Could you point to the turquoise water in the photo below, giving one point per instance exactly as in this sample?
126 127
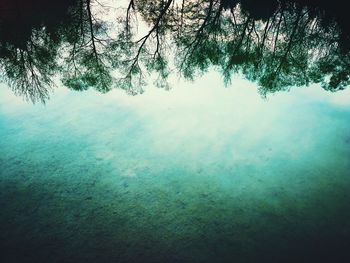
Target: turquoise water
196 174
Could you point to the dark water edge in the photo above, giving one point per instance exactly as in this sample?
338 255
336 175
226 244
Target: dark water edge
40 223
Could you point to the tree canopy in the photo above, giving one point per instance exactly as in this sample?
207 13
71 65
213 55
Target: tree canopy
277 44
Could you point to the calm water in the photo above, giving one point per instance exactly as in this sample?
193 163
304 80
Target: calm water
256 170
197 174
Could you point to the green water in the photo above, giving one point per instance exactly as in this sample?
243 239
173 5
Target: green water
196 174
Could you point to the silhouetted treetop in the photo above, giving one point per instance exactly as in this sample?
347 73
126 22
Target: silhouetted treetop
87 43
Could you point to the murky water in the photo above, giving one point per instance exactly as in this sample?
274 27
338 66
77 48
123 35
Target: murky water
196 174
251 171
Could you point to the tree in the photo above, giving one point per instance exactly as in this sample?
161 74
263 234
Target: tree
277 44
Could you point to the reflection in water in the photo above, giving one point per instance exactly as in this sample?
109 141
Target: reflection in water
195 174
277 44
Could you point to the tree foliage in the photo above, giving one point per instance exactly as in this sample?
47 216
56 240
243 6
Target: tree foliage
277 44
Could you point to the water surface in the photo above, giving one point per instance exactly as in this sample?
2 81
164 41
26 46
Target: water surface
197 174
174 131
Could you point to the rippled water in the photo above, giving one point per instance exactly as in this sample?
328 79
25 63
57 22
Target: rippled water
197 174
